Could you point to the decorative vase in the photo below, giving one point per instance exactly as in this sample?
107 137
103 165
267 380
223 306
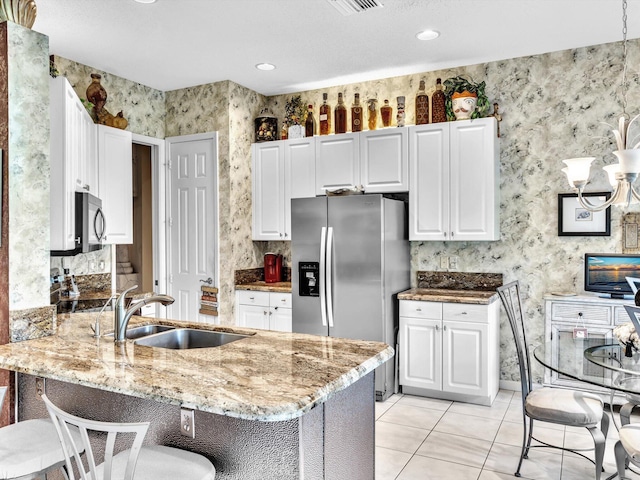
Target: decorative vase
96 93
464 104
22 12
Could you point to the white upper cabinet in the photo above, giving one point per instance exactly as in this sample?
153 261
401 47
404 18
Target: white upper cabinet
73 160
282 170
268 190
337 162
375 161
116 183
454 171
384 160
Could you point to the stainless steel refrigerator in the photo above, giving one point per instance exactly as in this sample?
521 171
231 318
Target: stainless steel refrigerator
350 258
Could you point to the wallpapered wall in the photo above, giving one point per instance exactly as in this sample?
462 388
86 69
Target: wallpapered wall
553 106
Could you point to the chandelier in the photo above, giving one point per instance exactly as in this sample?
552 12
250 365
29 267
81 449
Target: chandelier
623 174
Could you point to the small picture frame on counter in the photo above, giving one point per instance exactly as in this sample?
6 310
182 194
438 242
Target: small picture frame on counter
575 221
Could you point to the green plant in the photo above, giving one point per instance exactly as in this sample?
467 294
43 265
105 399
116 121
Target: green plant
461 84
295 111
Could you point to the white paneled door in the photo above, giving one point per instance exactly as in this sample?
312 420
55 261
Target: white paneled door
192 223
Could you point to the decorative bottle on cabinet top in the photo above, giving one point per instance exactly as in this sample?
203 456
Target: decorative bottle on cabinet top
356 114
310 123
400 115
325 116
422 105
385 112
340 116
372 108
438 107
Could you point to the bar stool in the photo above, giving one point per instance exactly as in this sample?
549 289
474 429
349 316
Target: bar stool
29 449
155 462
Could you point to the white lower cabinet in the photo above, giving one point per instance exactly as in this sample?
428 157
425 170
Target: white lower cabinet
265 310
449 350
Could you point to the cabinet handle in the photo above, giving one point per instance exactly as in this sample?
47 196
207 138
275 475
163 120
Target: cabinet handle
463 313
444 328
580 314
286 235
451 234
445 234
437 327
418 309
275 308
271 313
252 298
264 313
280 235
283 300
87 187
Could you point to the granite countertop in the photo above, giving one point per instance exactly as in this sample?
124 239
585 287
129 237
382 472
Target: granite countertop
261 286
479 297
270 376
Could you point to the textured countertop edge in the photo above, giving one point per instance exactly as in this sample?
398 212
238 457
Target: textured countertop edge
278 287
478 297
283 412
294 410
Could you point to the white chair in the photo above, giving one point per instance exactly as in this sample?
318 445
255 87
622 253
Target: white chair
627 448
29 449
155 462
552 405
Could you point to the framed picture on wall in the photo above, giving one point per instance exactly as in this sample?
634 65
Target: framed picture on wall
576 221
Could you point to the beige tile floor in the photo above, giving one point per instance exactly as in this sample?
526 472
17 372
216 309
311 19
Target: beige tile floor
421 438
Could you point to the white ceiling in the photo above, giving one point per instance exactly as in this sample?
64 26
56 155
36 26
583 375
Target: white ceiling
173 44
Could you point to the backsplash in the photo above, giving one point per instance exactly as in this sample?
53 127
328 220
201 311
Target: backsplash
459 280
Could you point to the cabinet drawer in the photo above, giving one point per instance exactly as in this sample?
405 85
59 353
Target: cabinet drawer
465 312
570 312
249 297
620 315
418 309
280 300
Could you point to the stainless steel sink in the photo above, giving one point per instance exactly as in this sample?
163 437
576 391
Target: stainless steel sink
145 330
187 338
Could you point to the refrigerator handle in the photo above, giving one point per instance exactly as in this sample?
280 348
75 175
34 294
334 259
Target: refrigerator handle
323 265
329 290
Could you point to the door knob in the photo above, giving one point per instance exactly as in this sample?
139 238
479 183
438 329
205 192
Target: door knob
208 281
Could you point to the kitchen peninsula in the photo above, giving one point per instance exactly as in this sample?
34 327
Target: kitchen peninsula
272 405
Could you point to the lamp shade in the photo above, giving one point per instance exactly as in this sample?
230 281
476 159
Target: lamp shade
611 173
578 169
629 160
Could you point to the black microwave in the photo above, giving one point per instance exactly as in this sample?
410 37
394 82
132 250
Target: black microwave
90 225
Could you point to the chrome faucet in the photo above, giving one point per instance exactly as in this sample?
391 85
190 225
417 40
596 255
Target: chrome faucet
122 315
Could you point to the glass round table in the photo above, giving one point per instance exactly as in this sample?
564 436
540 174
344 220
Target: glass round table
589 361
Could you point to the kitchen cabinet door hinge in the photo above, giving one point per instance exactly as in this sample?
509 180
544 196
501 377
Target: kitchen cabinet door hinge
170 278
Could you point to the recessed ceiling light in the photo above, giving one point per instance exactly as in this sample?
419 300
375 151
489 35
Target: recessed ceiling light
265 66
145 1
427 35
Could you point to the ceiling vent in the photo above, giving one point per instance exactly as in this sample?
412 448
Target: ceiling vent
347 7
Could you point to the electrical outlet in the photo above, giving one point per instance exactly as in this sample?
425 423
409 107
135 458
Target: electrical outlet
187 422
453 263
444 262
40 386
